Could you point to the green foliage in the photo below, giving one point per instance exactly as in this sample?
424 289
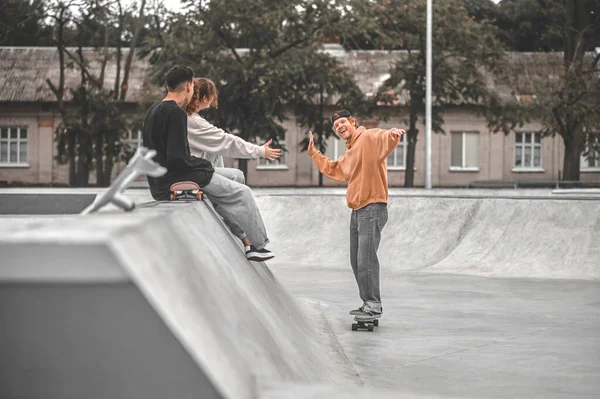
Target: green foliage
465 52
93 125
22 23
265 57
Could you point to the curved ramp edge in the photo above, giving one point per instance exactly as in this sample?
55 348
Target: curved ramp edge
494 237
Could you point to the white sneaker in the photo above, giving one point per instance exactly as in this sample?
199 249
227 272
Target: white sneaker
258 255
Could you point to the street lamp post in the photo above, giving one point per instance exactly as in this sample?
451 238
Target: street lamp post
428 97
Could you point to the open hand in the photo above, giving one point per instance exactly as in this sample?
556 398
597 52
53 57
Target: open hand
311 142
395 133
271 153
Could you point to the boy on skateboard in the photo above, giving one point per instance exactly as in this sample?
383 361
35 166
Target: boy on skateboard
165 130
364 168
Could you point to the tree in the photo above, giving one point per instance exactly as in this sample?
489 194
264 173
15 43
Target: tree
569 106
321 87
563 91
22 23
263 55
538 25
465 50
92 126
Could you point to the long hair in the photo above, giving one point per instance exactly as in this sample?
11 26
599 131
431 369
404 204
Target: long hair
203 87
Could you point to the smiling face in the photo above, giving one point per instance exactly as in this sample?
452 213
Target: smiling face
344 127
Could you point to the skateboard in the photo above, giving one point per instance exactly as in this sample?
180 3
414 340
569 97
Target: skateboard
365 324
187 190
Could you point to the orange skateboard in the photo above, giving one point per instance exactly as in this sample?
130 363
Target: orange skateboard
187 190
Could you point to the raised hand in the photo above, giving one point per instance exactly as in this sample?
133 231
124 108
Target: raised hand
271 153
311 142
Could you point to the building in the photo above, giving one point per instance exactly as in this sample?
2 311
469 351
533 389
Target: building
468 152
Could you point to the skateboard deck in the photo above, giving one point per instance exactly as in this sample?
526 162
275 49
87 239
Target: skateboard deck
186 190
365 324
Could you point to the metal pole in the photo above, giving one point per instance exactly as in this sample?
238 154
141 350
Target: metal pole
428 97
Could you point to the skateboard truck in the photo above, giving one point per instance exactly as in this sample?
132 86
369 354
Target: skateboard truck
187 190
365 324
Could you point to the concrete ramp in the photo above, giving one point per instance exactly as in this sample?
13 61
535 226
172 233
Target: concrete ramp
503 237
156 303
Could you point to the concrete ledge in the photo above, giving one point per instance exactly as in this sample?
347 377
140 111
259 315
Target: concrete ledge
232 317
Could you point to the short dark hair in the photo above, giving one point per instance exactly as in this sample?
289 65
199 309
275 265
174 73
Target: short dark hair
177 76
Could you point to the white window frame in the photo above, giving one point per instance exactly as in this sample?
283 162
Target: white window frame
18 140
404 144
278 164
134 144
464 168
334 142
533 145
583 165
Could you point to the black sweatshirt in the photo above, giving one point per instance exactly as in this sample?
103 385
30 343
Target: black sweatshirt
165 130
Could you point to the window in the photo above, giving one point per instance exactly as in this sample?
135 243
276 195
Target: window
397 159
336 147
464 151
590 157
528 150
13 146
134 139
279 163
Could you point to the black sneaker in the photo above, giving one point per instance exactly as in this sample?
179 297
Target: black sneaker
258 255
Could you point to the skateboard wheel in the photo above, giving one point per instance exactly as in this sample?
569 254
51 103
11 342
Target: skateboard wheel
370 327
173 196
199 196
354 327
376 323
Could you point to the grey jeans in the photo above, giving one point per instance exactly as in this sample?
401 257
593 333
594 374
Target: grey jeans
232 174
366 225
236 205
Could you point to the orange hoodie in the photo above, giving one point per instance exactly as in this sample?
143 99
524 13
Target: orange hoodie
363 166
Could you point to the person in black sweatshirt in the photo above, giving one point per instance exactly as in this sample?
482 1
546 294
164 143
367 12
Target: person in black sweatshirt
165 131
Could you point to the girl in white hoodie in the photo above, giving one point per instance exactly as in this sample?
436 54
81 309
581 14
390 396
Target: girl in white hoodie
209 142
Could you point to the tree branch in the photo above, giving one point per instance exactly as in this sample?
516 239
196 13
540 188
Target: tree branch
230 45
83 69
558 119
285 48
53 88
134 40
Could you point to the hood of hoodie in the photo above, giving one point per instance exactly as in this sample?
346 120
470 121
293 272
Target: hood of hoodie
357 133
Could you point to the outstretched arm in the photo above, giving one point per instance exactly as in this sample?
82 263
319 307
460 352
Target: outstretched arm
203 136
385 141
328 167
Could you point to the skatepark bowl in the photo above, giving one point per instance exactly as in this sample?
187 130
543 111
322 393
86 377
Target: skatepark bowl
486 294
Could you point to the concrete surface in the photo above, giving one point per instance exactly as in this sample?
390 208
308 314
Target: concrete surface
448 336
238 324
92 341
487 293
496 237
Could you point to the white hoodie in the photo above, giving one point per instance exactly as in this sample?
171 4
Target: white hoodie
206 139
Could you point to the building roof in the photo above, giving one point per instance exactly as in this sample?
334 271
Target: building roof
24 70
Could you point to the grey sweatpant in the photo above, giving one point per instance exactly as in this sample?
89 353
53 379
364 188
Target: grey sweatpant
366 225
233 200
